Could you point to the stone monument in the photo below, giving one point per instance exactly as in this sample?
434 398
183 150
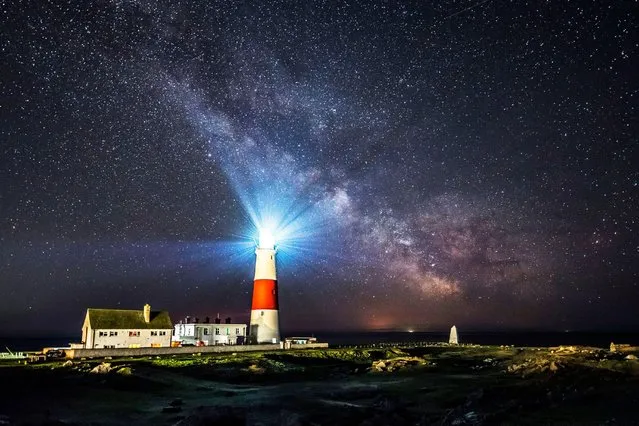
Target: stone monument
452 339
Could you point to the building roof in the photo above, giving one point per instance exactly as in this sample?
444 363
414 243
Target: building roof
118 319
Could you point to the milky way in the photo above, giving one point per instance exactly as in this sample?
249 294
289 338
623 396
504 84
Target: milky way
426 164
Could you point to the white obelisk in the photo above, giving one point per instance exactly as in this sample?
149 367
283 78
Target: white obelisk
452 339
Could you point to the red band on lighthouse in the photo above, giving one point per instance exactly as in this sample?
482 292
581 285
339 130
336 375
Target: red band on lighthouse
264 294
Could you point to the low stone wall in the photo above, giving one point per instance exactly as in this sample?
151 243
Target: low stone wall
310 346
124 352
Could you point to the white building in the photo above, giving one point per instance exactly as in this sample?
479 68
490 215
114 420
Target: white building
192 332
122 328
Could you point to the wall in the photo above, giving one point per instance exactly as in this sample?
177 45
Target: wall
123 352
310 346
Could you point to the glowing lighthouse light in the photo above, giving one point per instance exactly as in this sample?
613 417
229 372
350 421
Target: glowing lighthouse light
267 239
265 323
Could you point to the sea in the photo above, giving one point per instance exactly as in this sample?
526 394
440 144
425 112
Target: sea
339 339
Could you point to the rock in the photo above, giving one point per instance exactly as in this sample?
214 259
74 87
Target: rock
125 371
68 363
621 347
534 366
394 364
103 368
255 369
630 357
171 409
470 418
379 365
514 368
566 350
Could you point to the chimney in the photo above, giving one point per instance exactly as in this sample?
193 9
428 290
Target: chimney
207 320
147 313
228 320
217 319
187 320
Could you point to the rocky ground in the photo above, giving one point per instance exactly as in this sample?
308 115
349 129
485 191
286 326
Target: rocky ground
436 385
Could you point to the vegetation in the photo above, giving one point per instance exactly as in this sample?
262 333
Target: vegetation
391 385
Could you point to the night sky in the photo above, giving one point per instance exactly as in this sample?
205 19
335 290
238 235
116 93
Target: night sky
425 163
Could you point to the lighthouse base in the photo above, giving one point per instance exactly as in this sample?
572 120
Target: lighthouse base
265 326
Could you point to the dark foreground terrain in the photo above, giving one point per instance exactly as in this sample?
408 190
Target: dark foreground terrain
435 385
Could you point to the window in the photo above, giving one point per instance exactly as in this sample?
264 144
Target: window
237 331
217 331
102 334
109 346
206 331
154 333
113 333
162 333
134 334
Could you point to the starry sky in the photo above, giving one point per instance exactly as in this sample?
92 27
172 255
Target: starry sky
424 163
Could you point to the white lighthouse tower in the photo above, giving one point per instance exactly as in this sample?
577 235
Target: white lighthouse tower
265 321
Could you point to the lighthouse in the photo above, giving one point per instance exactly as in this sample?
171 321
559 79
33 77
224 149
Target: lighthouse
265 321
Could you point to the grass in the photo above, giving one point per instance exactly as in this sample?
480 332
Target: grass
428 385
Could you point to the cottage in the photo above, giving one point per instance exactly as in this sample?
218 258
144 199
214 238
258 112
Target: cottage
193 332
124 328
300 340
